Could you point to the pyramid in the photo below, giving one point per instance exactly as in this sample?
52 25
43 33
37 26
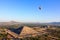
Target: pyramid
23 31
27 31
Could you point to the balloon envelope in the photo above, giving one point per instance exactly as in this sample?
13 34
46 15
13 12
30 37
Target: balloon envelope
39 8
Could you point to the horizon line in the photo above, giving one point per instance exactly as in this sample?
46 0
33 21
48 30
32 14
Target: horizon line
29 21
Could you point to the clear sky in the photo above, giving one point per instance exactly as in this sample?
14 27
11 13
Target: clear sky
27 10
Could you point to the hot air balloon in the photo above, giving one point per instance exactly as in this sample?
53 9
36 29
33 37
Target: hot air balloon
39 8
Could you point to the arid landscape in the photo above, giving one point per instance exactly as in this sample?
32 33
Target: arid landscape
29 31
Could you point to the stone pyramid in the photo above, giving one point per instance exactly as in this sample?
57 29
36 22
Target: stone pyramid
23 31
27 31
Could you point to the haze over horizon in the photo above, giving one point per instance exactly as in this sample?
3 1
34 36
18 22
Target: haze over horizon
27 10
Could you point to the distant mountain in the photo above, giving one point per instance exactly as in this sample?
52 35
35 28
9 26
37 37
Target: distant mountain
54 23
9 23
21 23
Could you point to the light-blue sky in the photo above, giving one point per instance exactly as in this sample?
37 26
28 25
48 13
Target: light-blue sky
27 10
